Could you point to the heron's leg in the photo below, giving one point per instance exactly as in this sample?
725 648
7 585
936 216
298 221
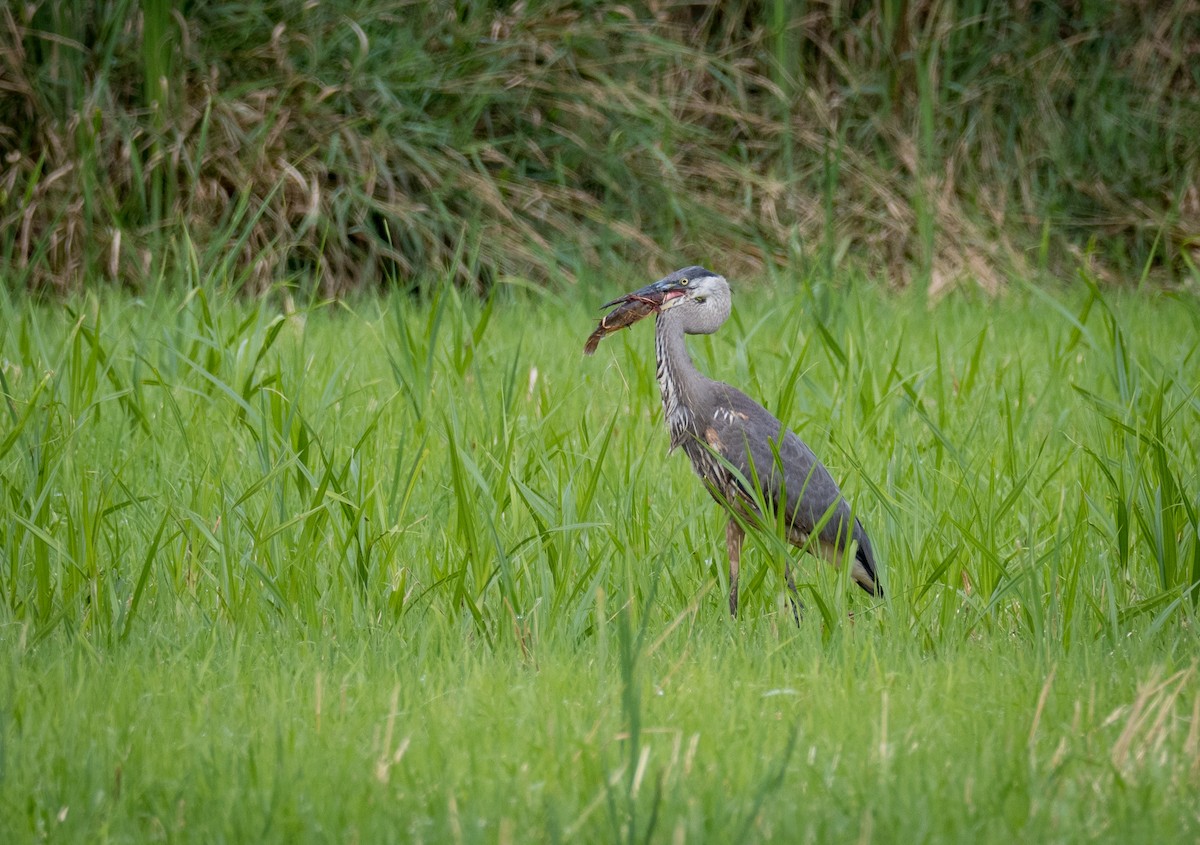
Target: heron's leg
794 597
733 539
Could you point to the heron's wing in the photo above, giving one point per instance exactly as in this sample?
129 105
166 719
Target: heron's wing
786 470
758 445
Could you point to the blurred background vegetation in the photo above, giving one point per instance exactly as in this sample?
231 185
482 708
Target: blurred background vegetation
354 144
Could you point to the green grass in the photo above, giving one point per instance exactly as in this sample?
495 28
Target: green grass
417 570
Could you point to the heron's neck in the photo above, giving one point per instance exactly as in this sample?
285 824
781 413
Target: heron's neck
678 378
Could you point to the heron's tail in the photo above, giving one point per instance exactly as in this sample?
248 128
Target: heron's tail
865 572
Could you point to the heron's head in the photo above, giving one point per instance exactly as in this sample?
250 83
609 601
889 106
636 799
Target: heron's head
697 297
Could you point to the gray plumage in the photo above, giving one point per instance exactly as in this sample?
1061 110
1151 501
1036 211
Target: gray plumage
732 441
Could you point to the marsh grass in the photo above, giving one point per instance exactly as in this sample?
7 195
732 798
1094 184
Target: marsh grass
356 144
451 458
277 570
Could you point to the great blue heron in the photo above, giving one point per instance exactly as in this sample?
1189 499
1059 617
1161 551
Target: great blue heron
733 441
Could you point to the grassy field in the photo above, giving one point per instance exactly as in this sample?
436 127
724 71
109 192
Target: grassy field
416 570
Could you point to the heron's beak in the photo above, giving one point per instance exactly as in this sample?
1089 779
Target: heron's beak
663 293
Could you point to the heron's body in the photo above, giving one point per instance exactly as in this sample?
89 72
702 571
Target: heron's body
732 441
